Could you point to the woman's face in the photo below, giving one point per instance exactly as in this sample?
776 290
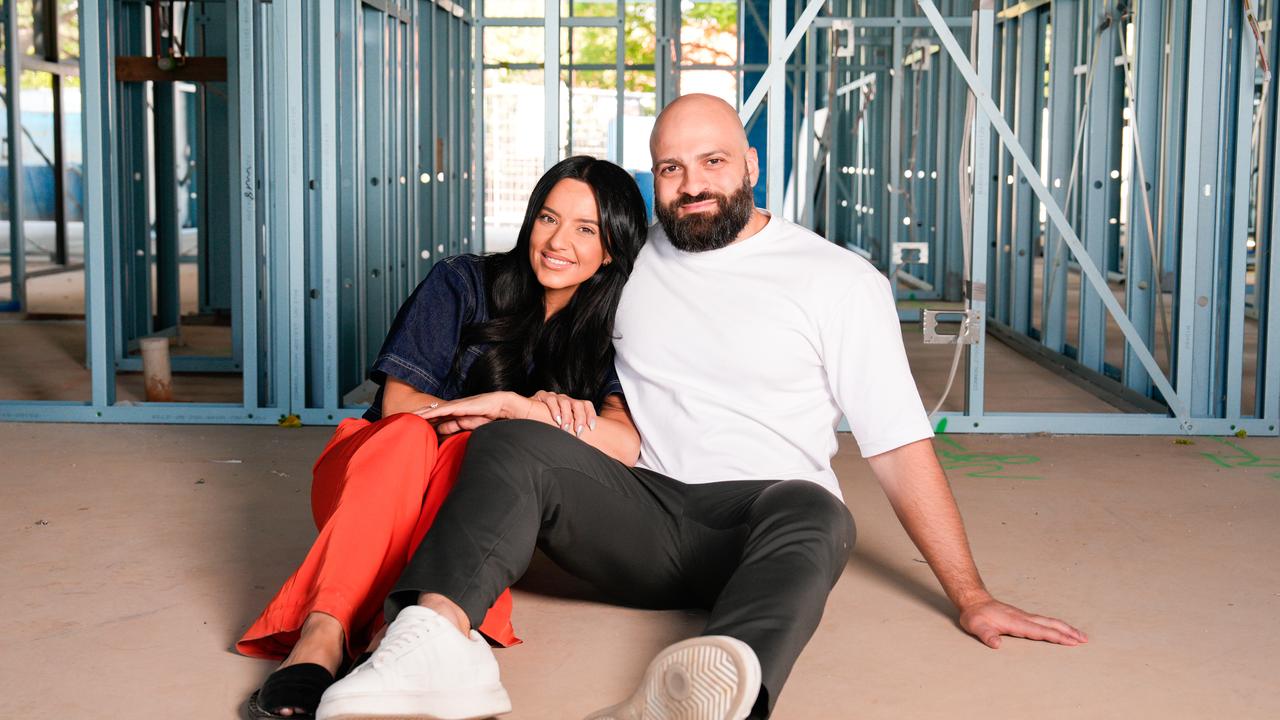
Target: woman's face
565 246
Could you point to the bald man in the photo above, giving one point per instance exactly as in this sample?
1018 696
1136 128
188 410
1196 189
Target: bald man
741 341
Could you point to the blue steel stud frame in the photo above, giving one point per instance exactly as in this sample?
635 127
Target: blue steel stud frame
284 186
1204 252
13 108
1146 423
301 246
133 293
976 293
45 60
1142 267
1064 28
1005 60
1029 106
1267 389
1098 204
1077 29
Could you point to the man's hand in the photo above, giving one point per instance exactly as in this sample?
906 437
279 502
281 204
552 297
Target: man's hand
990 619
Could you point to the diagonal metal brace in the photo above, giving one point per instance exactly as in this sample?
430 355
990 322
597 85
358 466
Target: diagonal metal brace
779 65
1056 216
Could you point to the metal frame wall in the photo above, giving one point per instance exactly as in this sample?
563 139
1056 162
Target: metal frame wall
1197 186
344 171
47 59
343 186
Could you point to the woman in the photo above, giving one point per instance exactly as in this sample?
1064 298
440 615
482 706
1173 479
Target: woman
523 334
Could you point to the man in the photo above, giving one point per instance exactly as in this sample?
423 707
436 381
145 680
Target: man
742 339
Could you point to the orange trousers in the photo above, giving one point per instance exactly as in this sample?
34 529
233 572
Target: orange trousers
376 489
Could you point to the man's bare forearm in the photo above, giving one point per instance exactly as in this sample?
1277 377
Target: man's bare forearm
922 499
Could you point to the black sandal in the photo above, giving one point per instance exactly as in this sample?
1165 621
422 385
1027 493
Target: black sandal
296 686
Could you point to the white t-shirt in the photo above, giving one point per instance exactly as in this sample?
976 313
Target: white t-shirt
737 363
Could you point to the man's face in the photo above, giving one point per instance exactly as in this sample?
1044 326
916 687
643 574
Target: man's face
702 186
717 222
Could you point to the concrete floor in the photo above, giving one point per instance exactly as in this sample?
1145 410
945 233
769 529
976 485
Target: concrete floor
135 555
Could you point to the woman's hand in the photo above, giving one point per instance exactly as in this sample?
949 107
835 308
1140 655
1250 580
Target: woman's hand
570 414
470 413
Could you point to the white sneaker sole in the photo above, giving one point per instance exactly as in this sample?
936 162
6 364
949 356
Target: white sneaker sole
471 705
705 678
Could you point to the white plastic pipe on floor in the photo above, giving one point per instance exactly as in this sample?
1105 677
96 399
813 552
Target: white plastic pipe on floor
156 369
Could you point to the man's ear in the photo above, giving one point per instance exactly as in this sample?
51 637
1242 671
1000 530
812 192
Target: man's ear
753 166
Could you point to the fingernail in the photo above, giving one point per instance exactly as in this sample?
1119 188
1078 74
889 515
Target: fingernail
565 427
579 429
558 419
592 424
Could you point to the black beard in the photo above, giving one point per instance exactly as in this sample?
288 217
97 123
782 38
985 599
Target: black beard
700 232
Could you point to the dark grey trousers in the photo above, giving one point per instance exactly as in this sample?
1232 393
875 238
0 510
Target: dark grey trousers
760 555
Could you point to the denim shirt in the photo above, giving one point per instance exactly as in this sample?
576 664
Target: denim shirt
423 340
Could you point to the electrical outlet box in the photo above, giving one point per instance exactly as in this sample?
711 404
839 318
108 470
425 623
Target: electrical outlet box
966 320
911 253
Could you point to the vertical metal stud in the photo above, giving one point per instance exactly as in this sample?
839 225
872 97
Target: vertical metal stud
1026 212
1142 267
97 75
977 295
244 189
551 83
1234 240
1064 25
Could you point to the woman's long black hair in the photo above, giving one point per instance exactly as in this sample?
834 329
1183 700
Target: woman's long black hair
572 351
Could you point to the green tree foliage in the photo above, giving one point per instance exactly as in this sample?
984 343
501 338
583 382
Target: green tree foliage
596 46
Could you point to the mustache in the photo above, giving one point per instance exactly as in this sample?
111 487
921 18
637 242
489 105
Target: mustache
703 196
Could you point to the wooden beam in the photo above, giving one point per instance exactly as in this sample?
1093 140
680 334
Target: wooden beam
192 69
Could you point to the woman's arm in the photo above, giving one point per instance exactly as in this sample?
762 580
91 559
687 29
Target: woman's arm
613 433
400 397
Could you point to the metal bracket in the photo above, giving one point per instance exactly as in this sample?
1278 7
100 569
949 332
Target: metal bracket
911 253
921 51
866 81
968 334
845 49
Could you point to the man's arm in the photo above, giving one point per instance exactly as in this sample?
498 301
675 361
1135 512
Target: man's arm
921 496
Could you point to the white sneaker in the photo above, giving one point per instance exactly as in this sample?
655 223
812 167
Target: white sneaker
705 678
424 669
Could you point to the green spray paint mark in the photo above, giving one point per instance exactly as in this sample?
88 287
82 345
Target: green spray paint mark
942 426
1241 458
955 456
